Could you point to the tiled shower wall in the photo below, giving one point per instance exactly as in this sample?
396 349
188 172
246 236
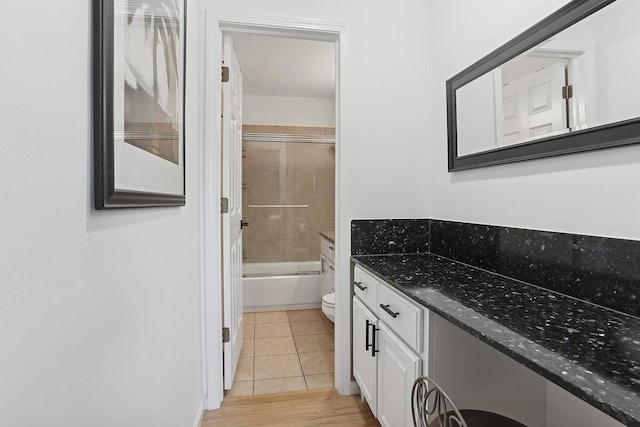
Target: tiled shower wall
287 173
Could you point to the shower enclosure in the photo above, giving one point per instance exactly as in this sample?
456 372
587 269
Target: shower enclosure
288 183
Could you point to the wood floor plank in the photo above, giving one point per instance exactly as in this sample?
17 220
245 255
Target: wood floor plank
301 408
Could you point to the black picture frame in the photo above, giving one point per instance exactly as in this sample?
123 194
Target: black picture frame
616 134
139 103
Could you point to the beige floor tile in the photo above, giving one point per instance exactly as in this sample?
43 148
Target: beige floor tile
319 362
240 388
280 366
320 381
310 343
303 315
280 385
249 318
247 348
272 346
244 372
313 327
248 332
272 330
271 317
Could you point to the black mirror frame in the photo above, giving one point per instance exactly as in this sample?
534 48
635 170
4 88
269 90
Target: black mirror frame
606 136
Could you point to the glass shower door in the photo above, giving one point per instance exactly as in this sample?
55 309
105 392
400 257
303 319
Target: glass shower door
288 196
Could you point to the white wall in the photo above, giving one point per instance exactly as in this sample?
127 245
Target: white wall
99 311
567 410
477 376
288 111
587 193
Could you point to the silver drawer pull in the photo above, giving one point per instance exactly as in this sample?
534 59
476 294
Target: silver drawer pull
385 307
359 286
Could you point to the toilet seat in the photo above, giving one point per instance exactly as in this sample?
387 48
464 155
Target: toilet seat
329 305
329 300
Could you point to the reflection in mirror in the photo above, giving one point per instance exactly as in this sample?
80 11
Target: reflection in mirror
582 77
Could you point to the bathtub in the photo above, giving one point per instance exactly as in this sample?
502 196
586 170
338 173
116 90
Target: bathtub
281 286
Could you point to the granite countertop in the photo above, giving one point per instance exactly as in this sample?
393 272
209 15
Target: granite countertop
330 235
590 351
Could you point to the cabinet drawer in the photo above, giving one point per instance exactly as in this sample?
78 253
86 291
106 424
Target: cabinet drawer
327 248
403 317
365 287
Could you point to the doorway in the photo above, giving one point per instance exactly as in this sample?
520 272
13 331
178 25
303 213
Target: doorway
287 200
218 23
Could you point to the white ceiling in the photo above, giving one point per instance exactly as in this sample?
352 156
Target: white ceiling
278 66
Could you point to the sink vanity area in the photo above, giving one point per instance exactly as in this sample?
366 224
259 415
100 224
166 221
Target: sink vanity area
540 326
563 307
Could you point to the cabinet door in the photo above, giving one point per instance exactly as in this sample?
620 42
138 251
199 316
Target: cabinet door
331 276
364 359
324 276
398 367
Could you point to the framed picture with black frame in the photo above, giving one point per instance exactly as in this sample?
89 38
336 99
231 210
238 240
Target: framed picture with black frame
139 103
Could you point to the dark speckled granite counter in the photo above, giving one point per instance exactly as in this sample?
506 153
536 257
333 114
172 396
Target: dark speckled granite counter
590 351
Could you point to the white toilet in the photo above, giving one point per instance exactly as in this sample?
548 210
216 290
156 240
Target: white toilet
329 306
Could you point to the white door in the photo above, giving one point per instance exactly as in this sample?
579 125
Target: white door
365 359
398 367
533 106
231 221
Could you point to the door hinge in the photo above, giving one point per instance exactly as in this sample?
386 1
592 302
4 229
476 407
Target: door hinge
224 205
225 74
225 335
567 92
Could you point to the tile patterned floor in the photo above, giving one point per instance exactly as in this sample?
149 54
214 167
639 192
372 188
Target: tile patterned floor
285 351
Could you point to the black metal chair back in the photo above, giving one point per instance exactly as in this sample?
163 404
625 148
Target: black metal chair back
429 403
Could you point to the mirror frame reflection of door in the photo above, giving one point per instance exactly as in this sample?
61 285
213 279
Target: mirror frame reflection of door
592 127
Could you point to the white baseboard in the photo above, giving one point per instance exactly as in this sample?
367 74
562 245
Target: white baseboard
199 415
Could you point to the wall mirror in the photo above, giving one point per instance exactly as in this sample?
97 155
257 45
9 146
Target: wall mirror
568 84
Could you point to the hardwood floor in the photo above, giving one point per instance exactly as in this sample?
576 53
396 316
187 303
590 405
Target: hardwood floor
300 408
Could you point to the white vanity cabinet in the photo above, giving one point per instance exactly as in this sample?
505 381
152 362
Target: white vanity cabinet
327 266
388 335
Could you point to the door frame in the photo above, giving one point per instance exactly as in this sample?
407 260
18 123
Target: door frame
216 22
